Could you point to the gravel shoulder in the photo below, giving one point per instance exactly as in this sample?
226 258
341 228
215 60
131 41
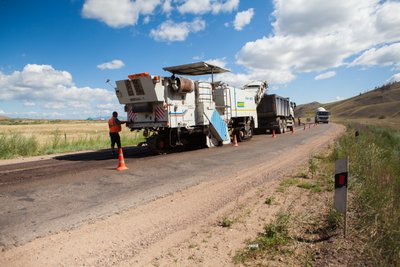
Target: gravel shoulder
181 228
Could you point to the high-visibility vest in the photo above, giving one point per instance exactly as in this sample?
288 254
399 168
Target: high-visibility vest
114 127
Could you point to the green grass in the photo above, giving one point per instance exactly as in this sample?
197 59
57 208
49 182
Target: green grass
269 200
14 145
374 184
314 187
226 222
375 181
333 219
271 241
17 144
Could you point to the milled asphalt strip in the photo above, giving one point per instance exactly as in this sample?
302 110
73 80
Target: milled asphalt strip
36 167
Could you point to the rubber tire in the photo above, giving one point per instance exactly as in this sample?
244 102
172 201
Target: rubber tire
280 127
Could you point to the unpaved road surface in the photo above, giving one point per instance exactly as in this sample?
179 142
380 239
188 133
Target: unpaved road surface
78 210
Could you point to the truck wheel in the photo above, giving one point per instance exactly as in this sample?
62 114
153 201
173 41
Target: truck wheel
280 127
157 144
239 132
250 133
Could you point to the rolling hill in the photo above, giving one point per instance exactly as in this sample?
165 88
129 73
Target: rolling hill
380 106
383 102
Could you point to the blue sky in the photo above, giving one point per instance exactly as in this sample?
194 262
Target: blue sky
55 56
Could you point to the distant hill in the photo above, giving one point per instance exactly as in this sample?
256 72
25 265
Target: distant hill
306 110
380 103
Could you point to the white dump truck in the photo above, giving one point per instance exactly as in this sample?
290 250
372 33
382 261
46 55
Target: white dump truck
321 115
176 111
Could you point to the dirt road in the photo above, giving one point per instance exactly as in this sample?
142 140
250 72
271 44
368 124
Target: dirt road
78 210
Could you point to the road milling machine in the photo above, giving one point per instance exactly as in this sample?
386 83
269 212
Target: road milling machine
176 111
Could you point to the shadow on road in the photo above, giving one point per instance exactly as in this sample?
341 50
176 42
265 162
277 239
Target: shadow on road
105 154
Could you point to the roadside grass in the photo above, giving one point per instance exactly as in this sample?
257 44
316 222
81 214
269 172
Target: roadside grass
375 181
239 213
374 197
15 144
271 241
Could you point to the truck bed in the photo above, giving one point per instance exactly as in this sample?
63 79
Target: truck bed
273 106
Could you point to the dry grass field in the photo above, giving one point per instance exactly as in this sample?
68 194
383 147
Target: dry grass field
45 132
34 137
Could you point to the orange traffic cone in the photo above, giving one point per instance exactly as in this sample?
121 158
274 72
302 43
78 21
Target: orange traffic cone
273 134
121 162
235 140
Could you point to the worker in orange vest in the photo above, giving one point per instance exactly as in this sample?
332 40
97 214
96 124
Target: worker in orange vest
115 127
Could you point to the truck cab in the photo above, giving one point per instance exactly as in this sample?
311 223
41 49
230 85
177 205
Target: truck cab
321 115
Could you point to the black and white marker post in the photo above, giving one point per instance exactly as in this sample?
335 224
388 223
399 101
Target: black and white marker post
341 178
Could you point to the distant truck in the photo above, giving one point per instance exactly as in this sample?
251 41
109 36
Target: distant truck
321 115
275 113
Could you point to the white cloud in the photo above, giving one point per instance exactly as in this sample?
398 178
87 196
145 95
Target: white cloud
112 65
325 75
147 6
166 7
116 13
243 18
146 20
394 78
171 32
386 55
220 62
388 20
224 6
43 87
271 76
108 106
2 112
28 103
206 6
316 35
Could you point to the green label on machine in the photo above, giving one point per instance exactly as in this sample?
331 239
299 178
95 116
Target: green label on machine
240 104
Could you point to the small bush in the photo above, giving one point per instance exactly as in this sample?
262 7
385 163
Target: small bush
268 201
272 240
333 219
226 222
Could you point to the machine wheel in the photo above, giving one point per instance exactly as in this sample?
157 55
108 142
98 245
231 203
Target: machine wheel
250 133
280 127
240 134
157 144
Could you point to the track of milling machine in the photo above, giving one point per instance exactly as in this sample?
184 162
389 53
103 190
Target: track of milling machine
176 111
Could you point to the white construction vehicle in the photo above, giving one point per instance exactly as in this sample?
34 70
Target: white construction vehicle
321 115
176 111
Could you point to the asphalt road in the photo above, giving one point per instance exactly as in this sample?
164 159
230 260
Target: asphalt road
44 197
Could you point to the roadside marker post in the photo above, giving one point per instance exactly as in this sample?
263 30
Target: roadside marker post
341 181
